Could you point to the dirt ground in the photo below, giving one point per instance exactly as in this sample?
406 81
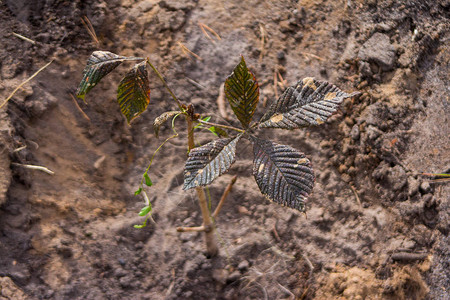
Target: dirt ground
375 228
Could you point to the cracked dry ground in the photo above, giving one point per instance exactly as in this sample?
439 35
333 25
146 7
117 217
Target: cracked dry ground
375 228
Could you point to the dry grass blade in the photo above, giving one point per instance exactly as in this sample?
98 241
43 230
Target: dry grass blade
206 28
33 167
308 55
356 195
275 84
263 41
79 108
221 103
188 52
283 82
24 38
90 29
23 83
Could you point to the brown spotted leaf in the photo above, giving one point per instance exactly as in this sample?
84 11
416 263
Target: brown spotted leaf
283 174
99 64
242 92
309 102
209 161
133 93
162 119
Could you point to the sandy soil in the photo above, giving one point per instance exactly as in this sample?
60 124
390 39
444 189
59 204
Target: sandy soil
375 228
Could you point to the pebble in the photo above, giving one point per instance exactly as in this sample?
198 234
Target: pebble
378 49
243 266
425 187
413 186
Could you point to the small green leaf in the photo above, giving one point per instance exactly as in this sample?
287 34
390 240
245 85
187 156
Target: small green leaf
217 131
144 211
133 93
138 191
148 181
206 119
213 130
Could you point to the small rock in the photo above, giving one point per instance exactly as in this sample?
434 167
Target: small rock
354 133
126 281
119 272
364 69
378 49
220 275
413 186
281 55
425 187
234 276
243 266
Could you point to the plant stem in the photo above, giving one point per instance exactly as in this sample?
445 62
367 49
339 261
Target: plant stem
224 196
222 126
211 244
165 84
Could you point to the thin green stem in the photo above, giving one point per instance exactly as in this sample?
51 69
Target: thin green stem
159 148
165 84
221 126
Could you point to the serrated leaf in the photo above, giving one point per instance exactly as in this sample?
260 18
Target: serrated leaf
162 119
283 174
133 93
242 92
138 191
309 102
209 161
145 210
147 180
99 64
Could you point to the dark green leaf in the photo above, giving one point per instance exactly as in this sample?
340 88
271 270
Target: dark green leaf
99 64
147 179
133 94
242 92
209 161
283 174
309 102
145 210
138 191
163 118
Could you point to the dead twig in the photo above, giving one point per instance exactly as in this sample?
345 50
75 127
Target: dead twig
24 38
20 148
191 229
224 196
33 167
79 108
408 257
90 29
23 83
